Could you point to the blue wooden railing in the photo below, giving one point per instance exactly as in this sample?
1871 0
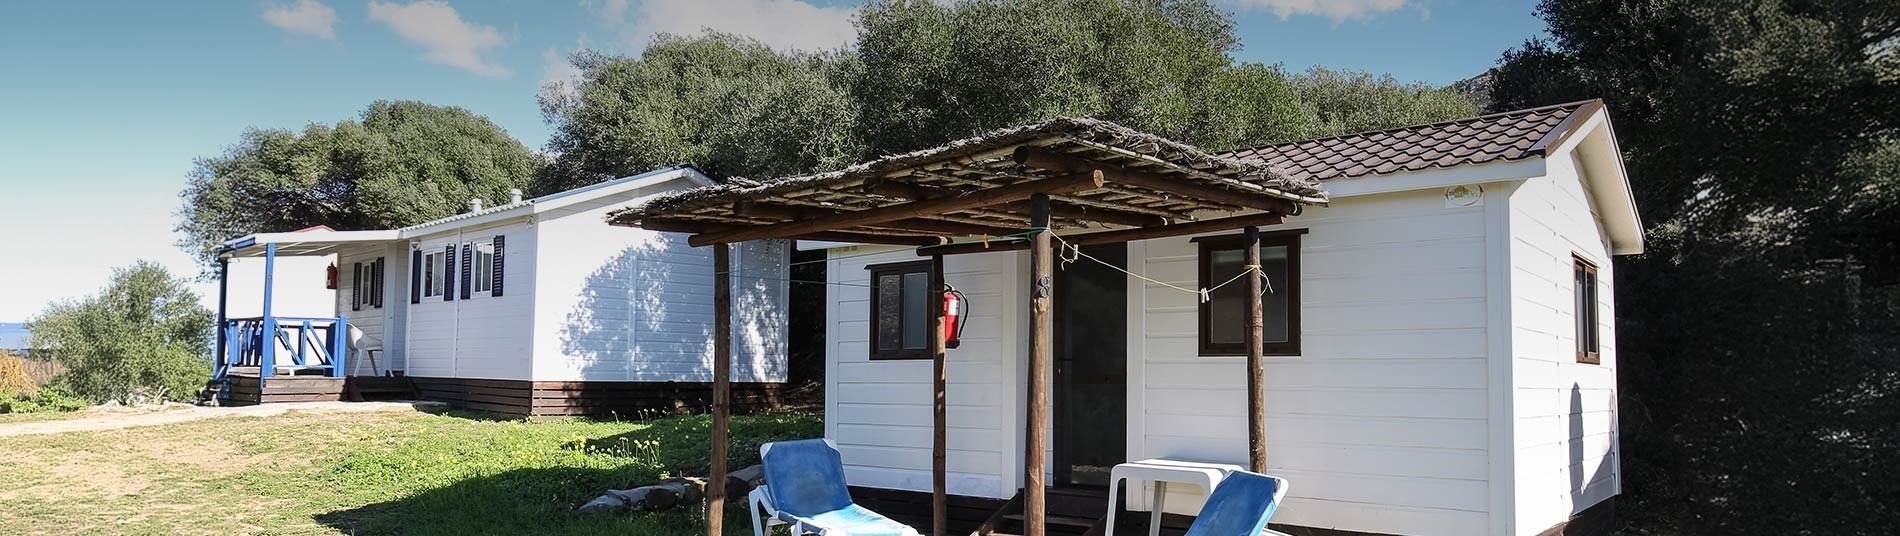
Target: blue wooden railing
257 342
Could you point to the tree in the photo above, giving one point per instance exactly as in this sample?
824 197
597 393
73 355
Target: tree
143 336
925 73
1357 101
398 163
1759 336
729 104
934 72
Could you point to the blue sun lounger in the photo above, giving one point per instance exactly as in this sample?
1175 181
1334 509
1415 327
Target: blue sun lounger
1239 506
805 489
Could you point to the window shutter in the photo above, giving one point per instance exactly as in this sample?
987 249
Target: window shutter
500 253
448 281
356 286
468 264
415 276
376 284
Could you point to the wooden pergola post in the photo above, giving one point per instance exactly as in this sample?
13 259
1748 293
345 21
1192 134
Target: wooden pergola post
722 388
939 411
1256 356
1041 347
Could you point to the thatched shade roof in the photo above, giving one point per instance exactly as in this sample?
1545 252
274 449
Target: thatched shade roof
1143 181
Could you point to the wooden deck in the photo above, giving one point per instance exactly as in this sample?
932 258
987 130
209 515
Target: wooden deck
280 388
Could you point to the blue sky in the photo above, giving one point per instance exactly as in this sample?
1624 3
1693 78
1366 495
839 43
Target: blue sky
104 105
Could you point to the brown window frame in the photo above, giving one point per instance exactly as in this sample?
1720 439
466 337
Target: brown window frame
900 269
1584 298
1209 244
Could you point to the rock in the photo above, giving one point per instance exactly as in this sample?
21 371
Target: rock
676 493
603 504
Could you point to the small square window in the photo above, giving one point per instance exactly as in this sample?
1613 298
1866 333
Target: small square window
432 275
900 310
1589 339
1223 317
484 278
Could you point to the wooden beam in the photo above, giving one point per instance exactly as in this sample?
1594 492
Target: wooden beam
1117 237
1072 183
1041 349
939 411
1095 214
898 189
1038 157
722 388
1256 360
676 226
774 211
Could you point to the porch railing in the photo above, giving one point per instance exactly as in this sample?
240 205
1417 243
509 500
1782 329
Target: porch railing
263 342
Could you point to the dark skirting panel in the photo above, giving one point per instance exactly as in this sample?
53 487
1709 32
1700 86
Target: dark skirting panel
592 399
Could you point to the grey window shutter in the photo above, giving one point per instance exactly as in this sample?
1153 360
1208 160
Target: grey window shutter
376 283
500 253
356 286
448 279
468 271
415 276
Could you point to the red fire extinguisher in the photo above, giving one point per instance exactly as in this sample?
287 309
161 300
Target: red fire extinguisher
329 277
955 313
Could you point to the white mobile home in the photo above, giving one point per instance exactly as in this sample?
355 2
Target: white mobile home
1436 357
533 307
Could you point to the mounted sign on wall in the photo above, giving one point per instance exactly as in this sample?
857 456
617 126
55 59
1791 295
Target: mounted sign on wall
1464 195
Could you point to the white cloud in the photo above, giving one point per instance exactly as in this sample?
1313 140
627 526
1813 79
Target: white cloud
444 37
306 17
1337 10
782 24
558 75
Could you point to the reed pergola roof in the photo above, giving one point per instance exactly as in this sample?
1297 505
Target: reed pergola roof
1098 175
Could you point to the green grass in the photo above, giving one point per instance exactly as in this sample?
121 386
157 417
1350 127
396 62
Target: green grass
365 474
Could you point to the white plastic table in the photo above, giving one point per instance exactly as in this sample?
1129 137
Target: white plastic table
1162 471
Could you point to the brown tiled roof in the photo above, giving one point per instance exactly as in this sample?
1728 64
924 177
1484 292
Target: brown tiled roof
1497 137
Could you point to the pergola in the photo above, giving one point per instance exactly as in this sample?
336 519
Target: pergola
1093 181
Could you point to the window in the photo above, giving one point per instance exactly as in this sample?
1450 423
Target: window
900 310
366 284
432 275
1223 318
484 280
1584 274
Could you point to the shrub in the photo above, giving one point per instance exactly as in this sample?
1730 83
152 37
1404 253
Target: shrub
14 378
47 399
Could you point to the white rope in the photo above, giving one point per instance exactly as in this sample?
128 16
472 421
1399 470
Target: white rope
1205 294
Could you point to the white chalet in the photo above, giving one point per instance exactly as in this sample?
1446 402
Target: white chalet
1440 346
533 307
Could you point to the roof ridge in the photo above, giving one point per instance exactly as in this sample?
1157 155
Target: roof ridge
1419 125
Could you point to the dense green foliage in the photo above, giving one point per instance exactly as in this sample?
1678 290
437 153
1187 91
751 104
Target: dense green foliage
924 73
143 338
1759 336
398 164
369 473
729 104
47 399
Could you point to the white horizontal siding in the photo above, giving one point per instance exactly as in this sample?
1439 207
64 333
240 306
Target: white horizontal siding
624 304
1564 432
879 412
1381 422
483 337
365 316
298 288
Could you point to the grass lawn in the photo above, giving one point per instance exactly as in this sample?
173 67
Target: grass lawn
364 473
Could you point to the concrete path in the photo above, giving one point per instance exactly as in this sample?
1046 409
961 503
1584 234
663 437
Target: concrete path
178 414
